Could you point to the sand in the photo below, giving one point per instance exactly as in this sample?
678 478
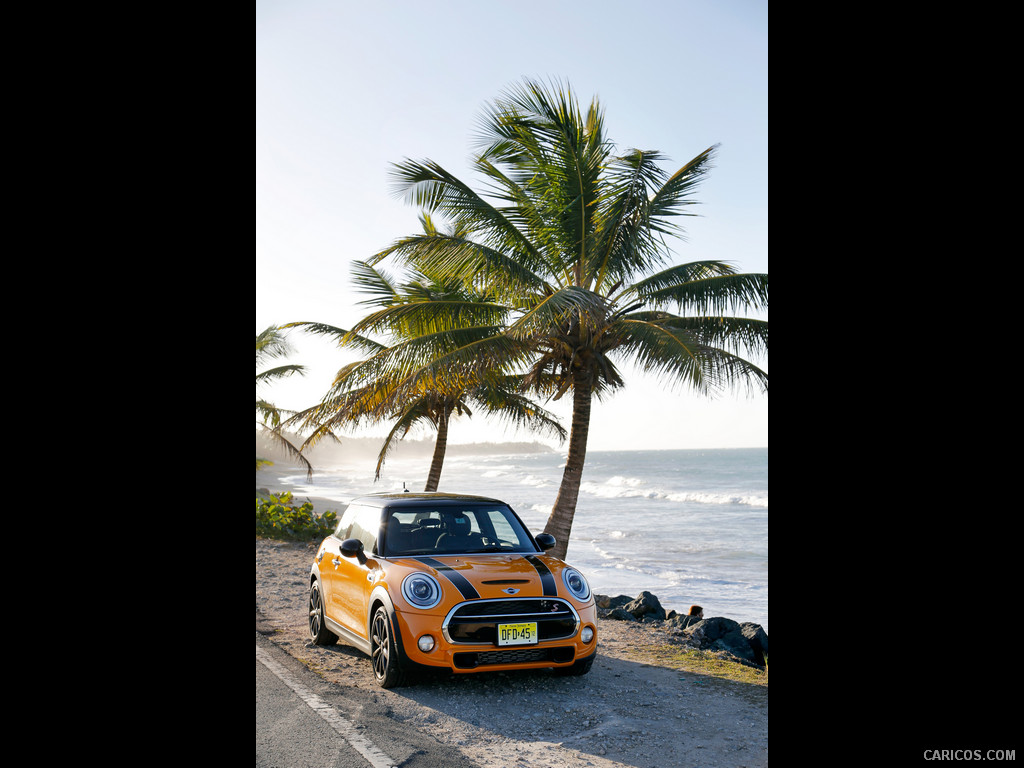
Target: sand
624 713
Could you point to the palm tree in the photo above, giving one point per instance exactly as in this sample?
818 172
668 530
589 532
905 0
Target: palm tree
270 345
424 317
571 239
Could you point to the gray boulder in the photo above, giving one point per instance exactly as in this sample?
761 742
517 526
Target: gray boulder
610 603
747 642
720 634
646 607
758 640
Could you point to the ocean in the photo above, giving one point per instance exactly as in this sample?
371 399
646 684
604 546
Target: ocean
689 526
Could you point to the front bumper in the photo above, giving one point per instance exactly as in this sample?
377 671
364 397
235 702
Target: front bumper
466 638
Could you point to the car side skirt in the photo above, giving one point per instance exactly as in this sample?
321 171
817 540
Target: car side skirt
348 637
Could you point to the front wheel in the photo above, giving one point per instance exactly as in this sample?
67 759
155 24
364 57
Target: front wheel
318 630
383 653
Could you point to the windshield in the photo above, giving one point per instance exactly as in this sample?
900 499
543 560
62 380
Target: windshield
447 529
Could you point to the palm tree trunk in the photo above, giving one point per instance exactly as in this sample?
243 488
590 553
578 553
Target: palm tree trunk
440 445
559 523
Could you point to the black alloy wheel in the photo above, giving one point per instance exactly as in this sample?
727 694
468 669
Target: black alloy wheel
383 654
317 626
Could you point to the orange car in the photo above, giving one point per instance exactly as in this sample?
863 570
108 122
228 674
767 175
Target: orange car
447 581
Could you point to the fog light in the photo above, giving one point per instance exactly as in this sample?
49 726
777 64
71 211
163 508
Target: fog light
426 643
587 634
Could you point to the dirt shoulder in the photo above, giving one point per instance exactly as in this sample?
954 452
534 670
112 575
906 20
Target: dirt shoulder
626 712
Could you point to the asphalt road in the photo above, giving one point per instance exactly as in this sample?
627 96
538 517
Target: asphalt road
303 721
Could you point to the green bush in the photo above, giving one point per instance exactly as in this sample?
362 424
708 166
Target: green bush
278 518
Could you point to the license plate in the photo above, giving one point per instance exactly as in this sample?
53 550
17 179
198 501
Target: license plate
517 634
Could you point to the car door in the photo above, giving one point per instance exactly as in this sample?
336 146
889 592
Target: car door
330 561
349 580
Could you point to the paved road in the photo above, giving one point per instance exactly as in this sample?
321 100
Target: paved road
304 722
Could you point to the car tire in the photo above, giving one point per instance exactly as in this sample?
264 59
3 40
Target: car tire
581 667
383 651
318 630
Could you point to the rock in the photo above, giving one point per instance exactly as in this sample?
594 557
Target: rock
681 621
747 642
646 607
721 634
619 614
612 607
609 603
757 638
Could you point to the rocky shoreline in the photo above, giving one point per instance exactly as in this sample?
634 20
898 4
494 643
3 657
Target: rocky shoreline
745 643
626 713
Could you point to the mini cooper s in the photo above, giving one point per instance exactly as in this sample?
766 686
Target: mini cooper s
430 580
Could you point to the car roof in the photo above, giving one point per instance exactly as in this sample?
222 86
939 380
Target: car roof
410 499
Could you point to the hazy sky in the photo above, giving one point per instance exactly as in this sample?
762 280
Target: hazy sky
344 89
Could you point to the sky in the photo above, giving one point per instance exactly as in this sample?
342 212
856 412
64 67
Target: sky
346 89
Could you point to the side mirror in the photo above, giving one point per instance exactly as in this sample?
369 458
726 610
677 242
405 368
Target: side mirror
353 548
545 540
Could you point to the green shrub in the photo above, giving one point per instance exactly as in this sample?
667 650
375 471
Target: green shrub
278 518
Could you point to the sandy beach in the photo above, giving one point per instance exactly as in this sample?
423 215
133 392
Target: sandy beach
625 713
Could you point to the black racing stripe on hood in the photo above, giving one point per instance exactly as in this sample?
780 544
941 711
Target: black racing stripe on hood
461 582
547 579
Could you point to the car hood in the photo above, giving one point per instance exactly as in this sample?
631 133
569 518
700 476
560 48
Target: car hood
493 576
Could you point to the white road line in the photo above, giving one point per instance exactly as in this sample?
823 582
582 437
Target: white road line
344 728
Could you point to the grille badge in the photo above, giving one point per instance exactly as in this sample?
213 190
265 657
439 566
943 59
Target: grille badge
511 591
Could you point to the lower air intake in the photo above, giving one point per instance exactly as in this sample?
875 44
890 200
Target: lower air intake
518 656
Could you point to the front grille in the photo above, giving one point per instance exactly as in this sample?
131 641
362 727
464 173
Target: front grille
518 656
512 606
477 621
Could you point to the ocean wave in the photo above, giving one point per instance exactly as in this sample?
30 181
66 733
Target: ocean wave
535 481
632 488
631 482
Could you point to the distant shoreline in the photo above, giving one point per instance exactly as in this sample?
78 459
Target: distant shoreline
360 448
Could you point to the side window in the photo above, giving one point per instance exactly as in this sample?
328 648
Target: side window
365 527
343 531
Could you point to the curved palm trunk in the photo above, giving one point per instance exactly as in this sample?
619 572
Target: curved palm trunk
559 523
440 445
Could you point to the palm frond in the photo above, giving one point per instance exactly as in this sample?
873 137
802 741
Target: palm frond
554 156
623 245
569 306
500 397
704 288
271 344
472 262
431 187
675 194
343 337
414 412
280 372
678 355
432 316
740 335
377 284
283 443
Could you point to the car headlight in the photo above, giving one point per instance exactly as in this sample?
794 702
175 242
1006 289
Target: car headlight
421 590
576 584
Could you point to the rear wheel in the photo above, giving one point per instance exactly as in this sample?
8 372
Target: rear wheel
318 630
383 653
